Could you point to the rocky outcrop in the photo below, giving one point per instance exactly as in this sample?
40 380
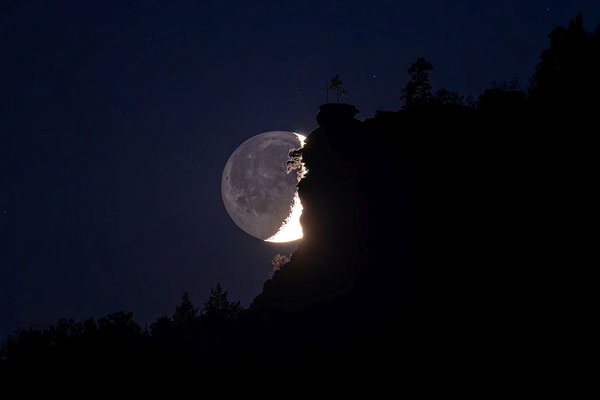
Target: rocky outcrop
356 202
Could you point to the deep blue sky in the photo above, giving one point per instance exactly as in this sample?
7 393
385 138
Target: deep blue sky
116 119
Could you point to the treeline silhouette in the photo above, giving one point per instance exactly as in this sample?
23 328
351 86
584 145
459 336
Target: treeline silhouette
429 233
116 336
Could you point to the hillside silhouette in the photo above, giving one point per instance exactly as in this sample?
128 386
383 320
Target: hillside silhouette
421 226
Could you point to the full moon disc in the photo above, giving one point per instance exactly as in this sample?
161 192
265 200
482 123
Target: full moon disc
258 193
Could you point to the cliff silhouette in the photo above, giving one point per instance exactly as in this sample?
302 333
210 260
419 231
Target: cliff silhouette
421 227
444 217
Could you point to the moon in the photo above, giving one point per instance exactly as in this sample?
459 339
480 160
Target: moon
258 193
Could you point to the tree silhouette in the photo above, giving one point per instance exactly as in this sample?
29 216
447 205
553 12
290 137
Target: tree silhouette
277 262
568 71
119 321
119 336
27 345
507 86
445 96
218 305
418 89
500 97
336 84
185 314
163 327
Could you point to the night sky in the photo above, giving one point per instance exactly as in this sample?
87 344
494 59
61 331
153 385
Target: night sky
117 118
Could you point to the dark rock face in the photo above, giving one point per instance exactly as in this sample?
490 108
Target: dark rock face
357 211
422 227
425 210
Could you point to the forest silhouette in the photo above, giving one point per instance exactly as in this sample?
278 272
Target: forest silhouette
421 226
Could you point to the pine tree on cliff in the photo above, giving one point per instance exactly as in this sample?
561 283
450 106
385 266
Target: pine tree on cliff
336 84
418 90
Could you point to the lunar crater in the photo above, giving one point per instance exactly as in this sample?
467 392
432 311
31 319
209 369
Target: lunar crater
258 193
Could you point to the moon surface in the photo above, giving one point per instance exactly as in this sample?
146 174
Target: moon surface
258 193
